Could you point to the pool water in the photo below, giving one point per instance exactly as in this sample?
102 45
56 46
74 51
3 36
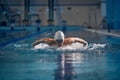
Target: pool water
19 61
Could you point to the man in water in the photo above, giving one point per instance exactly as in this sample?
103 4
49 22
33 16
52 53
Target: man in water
59 40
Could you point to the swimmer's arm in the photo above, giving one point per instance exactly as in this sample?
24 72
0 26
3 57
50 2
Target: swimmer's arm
73 40
81 41
38 42
48 41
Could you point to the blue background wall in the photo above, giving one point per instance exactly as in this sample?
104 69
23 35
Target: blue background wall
113 13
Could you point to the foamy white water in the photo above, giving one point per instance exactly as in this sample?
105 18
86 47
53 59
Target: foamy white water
41 46
73 46
20 45
95 46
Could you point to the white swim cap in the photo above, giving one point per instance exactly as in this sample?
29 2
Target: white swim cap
59 35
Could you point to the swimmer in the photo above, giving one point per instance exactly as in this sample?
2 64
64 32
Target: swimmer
59 40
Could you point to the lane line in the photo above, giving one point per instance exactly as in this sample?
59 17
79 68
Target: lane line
103 32
19 39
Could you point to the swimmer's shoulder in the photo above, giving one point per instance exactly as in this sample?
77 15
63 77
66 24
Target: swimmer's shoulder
68 41
50 41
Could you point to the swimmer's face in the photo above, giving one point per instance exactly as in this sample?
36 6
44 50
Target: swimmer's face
59 42
59 38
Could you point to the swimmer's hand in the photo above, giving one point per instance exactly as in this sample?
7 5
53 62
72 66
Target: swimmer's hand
85 44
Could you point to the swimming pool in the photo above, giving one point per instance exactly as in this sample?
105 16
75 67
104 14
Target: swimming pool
19 61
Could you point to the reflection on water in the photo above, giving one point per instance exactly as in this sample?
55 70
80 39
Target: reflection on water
65 69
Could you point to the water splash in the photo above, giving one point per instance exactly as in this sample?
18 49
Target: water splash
45 48
20 45
41 46
72 47
95 46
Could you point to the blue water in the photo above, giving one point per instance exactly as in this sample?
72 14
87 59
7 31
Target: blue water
19 61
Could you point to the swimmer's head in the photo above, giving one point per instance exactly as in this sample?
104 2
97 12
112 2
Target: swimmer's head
59 38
